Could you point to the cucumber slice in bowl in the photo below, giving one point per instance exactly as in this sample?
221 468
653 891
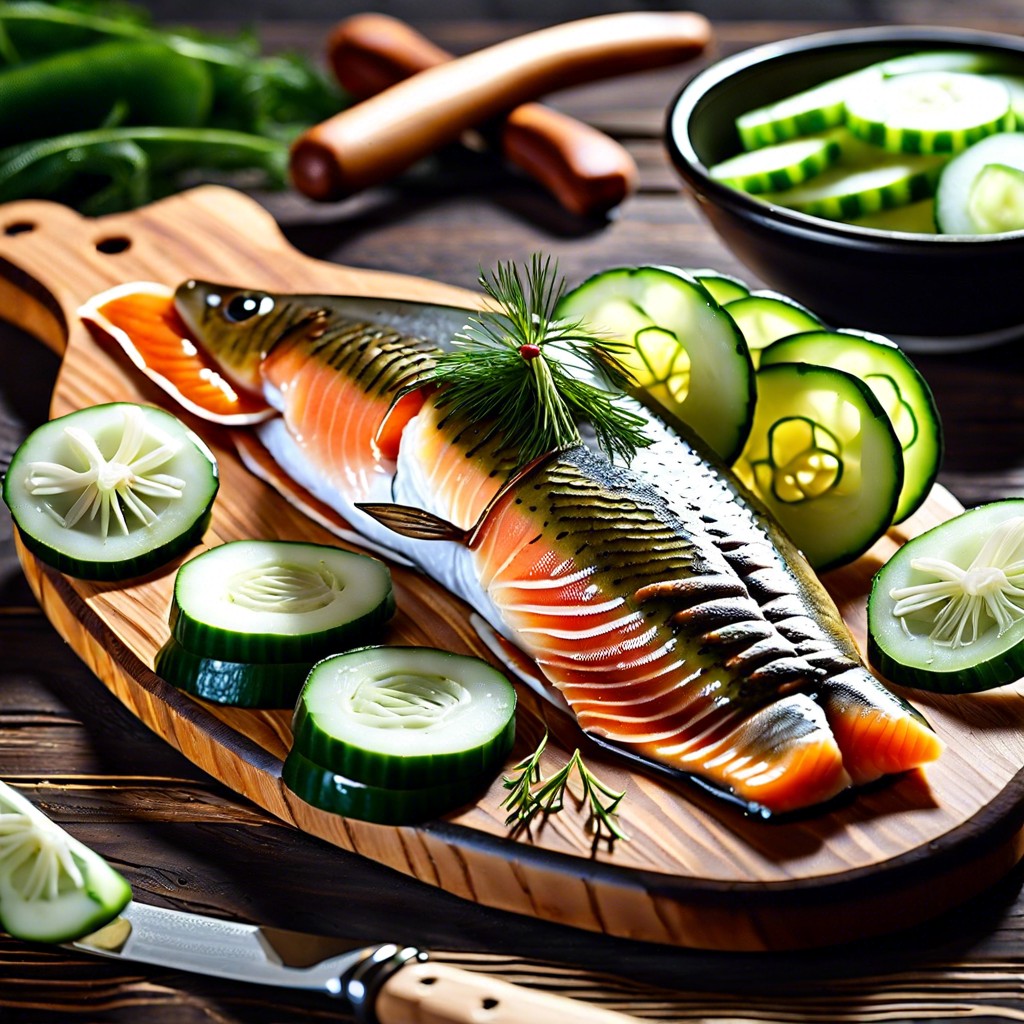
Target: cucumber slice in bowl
964 203
111 492
52 887
780 166
685 350
278 601
901 391
405 717
946 612
823 457
929 111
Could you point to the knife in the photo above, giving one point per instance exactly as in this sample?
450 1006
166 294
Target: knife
378 984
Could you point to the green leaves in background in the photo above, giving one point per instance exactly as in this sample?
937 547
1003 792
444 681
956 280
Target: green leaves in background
100 109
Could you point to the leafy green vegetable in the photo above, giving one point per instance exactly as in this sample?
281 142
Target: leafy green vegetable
258 105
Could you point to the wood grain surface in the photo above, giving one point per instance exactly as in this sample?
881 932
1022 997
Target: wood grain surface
694 872
186 841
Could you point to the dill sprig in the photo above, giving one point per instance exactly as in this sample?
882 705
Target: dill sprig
535 378
531 794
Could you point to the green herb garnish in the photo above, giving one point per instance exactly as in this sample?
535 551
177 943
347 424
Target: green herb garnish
526 372
531 794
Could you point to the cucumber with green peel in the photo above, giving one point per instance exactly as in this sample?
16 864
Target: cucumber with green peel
813 110
236 683
778 166
112 491
278 601
723 288
863 181
945 612
685 350
1014 85
383 805
405 717
929 111
971 62
765 316
824 458
972 200
900 389
52 887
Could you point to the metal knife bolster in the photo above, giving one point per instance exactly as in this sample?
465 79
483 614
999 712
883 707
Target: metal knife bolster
345 970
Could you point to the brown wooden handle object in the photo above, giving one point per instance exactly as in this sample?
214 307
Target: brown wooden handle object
428 993
383 135
585 170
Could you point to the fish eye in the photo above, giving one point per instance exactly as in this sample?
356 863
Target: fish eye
247 304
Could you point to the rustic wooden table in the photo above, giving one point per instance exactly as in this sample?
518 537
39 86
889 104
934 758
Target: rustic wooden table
184 841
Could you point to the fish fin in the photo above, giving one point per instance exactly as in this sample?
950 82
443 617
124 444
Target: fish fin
412 522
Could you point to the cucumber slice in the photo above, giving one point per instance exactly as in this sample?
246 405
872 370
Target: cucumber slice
112 491
996 200
380 804
405 717
694 361
946 612
52 887
766 316
723 288
271 601
1014 85
901 391
813 110
823 457
238 683
780 166
929 111
865 180
915 218
970 62
957 202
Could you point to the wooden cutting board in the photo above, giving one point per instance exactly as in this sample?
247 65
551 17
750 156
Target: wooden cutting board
694 873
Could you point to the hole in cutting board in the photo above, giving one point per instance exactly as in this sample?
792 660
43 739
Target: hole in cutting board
19 227
113 245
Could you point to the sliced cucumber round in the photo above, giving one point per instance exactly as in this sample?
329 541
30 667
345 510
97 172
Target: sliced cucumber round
813 110
112 491
723 288
779 166
929 111
901 391
966 203
383 805
270 601
685 351
946 612
238 683
972 62
764 317
864 181
405 717
52 887
823 457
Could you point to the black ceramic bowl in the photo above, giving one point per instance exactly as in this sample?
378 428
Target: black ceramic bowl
932 290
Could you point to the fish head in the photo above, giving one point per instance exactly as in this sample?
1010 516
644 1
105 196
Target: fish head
234 326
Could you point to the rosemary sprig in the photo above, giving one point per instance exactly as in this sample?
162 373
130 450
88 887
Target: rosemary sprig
526 372
531 794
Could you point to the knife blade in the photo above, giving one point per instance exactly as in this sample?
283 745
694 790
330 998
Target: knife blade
382 983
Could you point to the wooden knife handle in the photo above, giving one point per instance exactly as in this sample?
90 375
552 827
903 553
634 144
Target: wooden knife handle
383 135
428 993
585 170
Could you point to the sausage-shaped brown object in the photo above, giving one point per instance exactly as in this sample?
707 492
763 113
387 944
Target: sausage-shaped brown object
585 170
383 135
